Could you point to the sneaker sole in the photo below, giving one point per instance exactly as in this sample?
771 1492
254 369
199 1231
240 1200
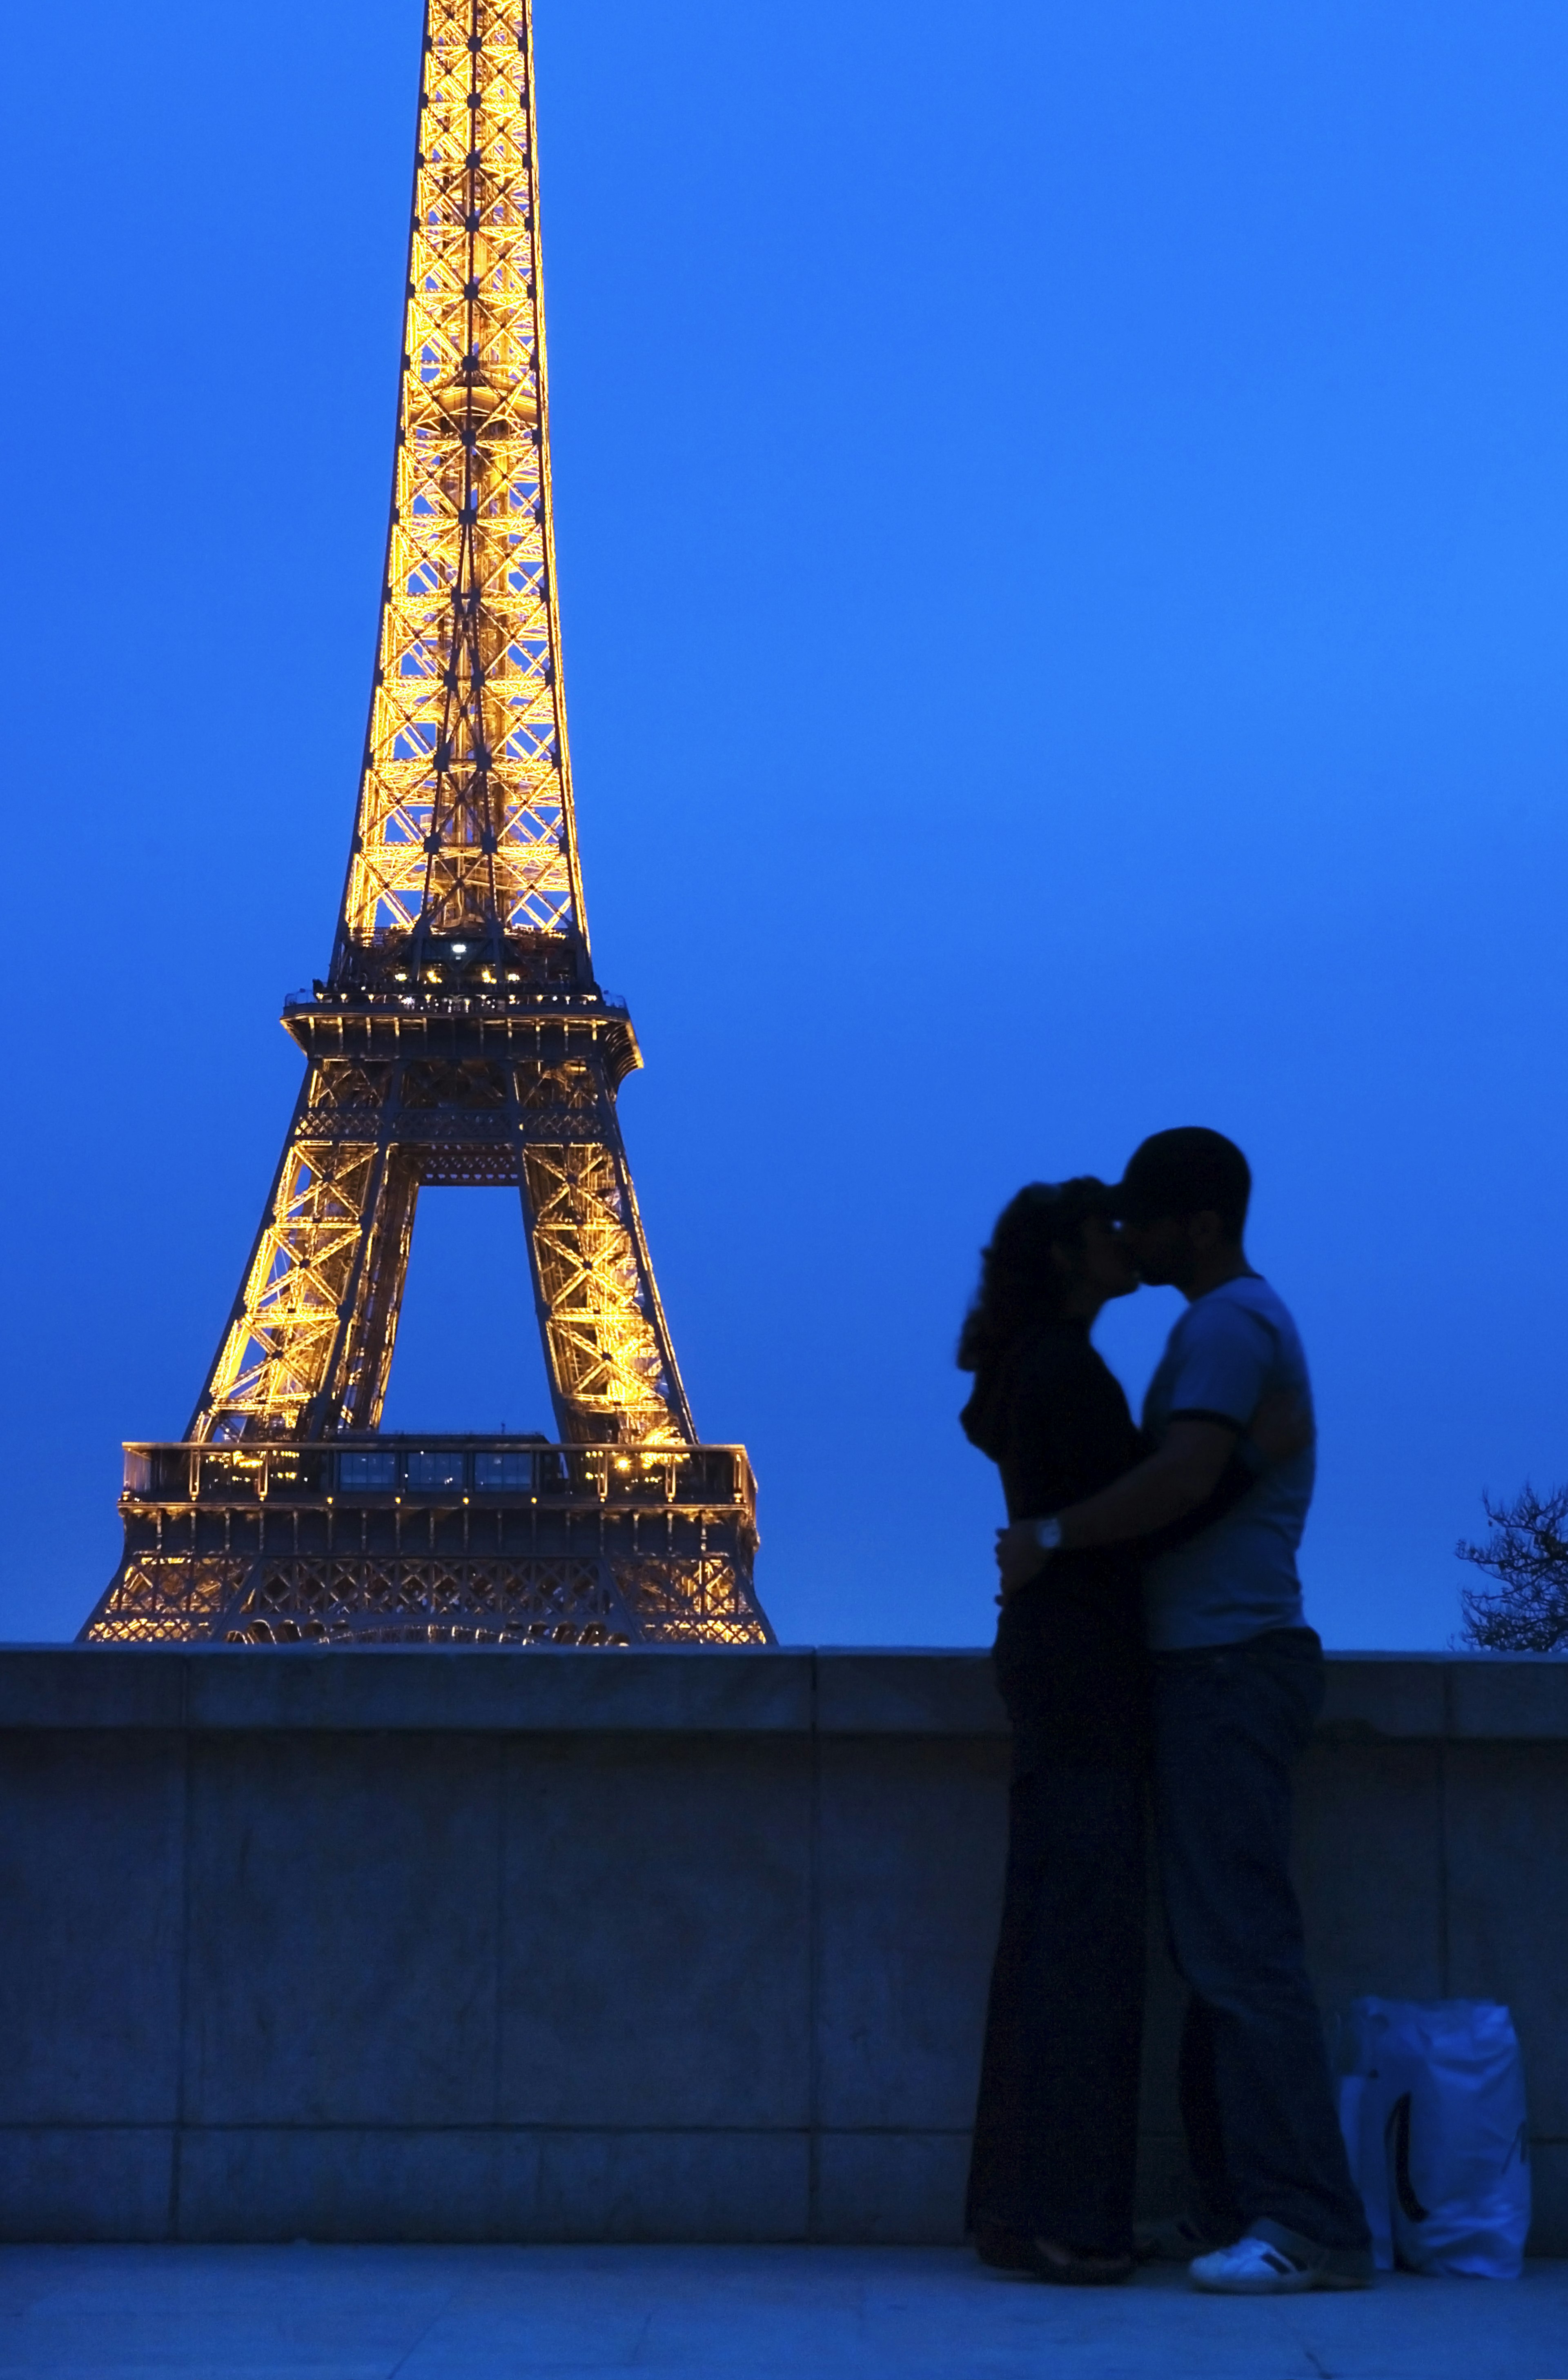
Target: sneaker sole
1279 2284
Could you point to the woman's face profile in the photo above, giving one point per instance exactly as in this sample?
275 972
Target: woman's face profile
1102 1262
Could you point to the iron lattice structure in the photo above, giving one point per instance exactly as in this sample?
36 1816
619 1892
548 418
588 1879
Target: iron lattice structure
459 1038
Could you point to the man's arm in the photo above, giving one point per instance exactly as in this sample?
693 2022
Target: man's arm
1168 1482
1181 1472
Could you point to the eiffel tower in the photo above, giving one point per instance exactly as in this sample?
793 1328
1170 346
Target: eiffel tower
460 1037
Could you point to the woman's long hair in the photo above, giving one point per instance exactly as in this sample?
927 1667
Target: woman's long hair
1020 1287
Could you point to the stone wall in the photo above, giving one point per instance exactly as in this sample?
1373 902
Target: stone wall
475 1945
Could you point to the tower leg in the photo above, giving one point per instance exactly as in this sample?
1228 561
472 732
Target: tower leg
612 1371
309 1346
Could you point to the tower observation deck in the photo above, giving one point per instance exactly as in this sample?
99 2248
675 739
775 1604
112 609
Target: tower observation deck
460 1037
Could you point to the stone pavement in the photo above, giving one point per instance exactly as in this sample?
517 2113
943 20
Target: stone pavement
371 2314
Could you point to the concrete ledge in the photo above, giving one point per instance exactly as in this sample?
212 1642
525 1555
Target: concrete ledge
1377 1696
479 1944
207 2184
912 1692
445 1689
890 2188
472 1687
492 2185
1509 1697
92 1685
108 2181
766 1690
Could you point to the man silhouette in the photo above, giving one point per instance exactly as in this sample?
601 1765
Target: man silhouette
1238 1682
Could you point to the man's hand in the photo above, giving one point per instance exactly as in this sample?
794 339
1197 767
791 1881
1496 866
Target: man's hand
1018 1557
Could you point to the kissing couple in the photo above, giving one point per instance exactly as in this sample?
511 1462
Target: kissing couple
1155 1662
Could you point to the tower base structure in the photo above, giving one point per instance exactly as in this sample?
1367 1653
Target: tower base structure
388 1540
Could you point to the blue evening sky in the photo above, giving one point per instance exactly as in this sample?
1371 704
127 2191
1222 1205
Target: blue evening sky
1063 539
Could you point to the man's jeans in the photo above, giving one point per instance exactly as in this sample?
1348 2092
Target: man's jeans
1257 2101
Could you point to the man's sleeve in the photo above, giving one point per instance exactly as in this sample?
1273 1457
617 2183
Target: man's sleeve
1226 1357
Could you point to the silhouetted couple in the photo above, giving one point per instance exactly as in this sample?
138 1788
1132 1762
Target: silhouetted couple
1151 1652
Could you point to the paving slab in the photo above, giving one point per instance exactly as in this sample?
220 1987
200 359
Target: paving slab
719 2314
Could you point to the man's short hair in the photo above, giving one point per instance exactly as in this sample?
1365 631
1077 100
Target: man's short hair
1186 1172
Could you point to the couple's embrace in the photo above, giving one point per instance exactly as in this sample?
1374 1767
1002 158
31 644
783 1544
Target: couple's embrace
1153 1657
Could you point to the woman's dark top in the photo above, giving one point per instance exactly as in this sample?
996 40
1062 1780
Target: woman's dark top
1070 1657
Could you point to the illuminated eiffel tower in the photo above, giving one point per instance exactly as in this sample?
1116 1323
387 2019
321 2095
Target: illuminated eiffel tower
460 1037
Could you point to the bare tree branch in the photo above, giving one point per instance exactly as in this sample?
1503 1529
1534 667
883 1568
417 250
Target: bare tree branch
1527 1554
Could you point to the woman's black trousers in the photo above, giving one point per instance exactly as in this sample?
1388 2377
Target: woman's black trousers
1056 2128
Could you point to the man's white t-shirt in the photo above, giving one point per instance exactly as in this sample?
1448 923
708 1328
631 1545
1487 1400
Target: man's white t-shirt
1238 1577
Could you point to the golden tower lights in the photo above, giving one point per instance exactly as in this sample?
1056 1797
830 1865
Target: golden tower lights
460 1037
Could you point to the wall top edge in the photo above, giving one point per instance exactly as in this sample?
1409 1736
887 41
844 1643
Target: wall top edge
830 1689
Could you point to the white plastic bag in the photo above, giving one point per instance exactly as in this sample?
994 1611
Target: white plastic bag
1433 2114
1361 2121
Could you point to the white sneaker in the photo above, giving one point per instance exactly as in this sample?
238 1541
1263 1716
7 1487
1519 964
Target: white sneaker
1260 2267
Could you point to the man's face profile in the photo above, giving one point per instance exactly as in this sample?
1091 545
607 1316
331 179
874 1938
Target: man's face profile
1165 1251
1145 1244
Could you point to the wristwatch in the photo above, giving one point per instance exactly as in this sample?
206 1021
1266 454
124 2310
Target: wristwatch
1048 1535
